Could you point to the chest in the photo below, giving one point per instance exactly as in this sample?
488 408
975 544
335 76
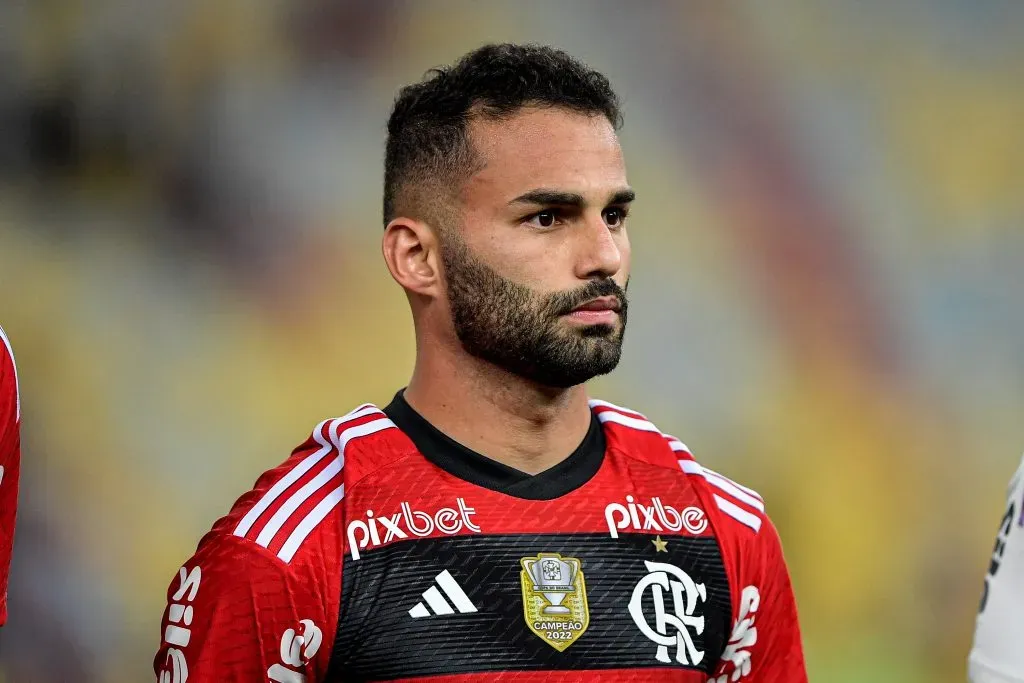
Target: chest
629 586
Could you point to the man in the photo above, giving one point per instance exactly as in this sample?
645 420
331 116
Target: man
10 460
997 656
491 523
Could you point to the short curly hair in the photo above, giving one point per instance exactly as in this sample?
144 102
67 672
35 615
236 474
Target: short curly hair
427 131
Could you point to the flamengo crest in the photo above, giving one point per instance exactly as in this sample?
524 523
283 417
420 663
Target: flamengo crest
554 598
678 615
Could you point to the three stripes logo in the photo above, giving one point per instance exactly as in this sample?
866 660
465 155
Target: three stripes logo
434 602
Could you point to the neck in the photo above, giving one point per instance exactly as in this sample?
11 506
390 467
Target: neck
500 415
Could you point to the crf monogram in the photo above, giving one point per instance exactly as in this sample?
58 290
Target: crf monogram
671 626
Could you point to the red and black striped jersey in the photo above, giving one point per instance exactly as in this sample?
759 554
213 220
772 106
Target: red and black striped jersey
382 550
10 462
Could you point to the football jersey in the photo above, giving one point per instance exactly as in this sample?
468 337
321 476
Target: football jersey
10 462
383 550
997 656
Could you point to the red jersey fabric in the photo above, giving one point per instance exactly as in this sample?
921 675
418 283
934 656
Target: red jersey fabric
10 462
382 550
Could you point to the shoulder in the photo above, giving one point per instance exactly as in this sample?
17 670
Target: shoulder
6 352
1017 480
642 440
630 432
980 671
996 655
8 374
295 508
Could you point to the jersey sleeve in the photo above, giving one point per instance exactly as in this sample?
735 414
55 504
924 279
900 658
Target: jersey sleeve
765 644
996 656
237 613
10 462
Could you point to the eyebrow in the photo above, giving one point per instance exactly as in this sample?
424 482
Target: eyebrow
558 198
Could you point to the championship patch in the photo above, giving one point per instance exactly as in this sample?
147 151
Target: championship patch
554 598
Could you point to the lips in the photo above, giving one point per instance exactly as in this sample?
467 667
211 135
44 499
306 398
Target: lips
604 303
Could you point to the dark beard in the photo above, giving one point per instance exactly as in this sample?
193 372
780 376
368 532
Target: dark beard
518 330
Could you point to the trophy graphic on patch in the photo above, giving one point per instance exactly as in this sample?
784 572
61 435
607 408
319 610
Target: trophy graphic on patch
554 598
554 578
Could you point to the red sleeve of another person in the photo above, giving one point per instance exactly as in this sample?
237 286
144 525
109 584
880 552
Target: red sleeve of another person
10 463
765 644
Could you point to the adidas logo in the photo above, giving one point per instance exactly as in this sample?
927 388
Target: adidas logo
436 603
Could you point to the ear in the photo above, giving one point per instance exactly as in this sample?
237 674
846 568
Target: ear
412 252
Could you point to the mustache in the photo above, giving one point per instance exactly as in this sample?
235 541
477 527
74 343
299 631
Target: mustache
563 303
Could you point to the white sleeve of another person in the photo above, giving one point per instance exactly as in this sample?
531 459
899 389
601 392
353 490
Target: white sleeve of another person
998 652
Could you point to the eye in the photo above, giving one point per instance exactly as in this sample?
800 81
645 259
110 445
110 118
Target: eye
544 219
615 217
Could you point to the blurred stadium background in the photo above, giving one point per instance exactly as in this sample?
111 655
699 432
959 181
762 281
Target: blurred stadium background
827 295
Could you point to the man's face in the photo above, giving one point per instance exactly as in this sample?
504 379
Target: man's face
536 274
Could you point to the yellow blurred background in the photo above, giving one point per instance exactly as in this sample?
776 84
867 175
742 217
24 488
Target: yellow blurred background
826 300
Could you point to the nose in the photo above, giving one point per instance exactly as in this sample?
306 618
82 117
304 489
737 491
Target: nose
600 249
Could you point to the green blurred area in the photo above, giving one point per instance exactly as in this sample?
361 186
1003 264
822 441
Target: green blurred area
825 300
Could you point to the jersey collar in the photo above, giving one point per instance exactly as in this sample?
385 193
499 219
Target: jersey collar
476 468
